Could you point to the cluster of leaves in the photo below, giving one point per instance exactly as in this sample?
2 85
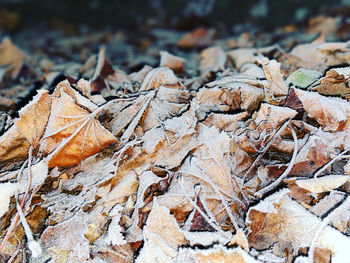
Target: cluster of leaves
162 166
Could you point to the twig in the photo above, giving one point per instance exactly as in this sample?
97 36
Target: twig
266 148
273 185
16 217
205 216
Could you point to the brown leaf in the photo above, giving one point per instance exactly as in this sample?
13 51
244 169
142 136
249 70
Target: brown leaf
72 134
11 57
320 56
13 146
275 90
34 117
162 236
198 38
102 70
336 82
212 59
333 114
173 62
160 77
218 253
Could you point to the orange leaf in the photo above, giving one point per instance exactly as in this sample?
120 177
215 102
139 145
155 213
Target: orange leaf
72 133
34 117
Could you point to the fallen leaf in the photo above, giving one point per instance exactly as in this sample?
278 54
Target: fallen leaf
175 63
11 57
13 146
34 117
72 133
277 215
331 113
336 83
198 38
102 70
212 59
218 253
7 190
162 236
323 184
275 90
157 77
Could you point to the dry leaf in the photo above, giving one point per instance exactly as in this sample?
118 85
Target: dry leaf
323 184
173 62
162 236
212 59
218 253
34 117
7 190
72 134
276 217
11 57
332 114
320 56
68 237
336 82
198 38
102 70
13 146
275 90
160 77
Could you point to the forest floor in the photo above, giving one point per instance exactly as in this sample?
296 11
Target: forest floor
171 146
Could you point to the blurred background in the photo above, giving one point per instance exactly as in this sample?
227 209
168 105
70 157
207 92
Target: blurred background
76 15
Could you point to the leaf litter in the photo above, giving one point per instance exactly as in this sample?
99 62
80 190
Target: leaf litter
212 155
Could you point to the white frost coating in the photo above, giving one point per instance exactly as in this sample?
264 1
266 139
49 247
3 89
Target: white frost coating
35 248
207 238
328 111
292 214
114 234
152 138
146 179
268 205
39 173
6 191
323 184
189 254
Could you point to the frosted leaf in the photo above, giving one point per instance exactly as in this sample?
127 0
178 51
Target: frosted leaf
114 234
7 190
275 218
162 236
323 184
218 253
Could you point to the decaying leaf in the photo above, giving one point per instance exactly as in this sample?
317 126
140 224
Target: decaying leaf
11 57
275 90
173 62
197 38
13 146
7 190
72 133
162 236
331 113
157 77
218 253
322 184
34 117
213 59
336 82
275 219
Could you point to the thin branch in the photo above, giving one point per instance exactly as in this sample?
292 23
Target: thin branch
266 148
273 185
